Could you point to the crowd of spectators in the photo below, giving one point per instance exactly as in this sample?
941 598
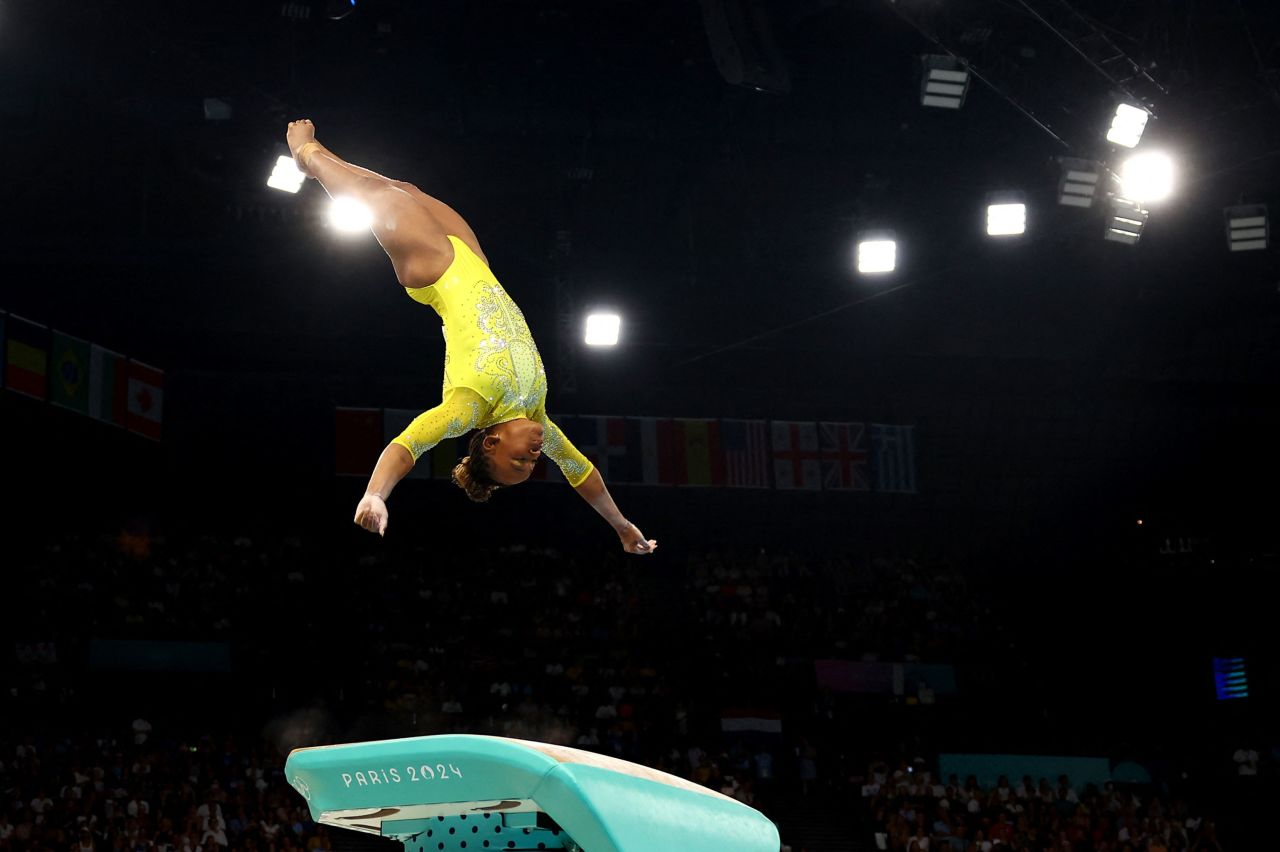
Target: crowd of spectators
912 810
141 793
523 641
513 640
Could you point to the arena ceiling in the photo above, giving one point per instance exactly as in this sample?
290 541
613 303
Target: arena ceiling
718 218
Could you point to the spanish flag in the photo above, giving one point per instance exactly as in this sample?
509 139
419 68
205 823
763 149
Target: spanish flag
26 357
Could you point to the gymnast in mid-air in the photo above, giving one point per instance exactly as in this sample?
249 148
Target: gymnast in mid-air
494 381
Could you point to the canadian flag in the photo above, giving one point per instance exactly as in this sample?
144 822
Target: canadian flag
146 400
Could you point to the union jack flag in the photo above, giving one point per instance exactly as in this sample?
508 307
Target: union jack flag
844 457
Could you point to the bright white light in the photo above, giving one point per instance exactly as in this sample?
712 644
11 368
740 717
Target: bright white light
286 176
1147 177
1004 220
347 214
877 256
1127 125
602 329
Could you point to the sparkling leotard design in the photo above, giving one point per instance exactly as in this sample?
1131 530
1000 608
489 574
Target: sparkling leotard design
492 370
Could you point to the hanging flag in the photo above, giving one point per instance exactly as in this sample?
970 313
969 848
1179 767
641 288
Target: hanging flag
795 455
603 440
703 457
669 446
687 452
26 357
395 421
357 440
894 458
108 385
746 453
642 441
146 400
69 386
630 448
844 456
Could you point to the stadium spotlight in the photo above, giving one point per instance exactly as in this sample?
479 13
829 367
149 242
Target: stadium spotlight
1079 183
286 176
602 329
1248 228
1147 176
945 82
1126 221
1127 125
1006 215
877 253
348 215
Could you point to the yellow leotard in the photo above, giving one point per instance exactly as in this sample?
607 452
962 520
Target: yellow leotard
492 370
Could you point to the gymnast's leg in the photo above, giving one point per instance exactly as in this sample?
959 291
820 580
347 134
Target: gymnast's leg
449 219
406 228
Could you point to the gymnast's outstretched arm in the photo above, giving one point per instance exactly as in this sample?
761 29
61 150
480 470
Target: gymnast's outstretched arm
593 490
393 465
457 414
587 481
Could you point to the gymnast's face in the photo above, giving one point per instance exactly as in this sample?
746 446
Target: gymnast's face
513 449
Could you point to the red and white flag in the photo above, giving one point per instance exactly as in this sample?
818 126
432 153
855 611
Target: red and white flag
795 455
146 400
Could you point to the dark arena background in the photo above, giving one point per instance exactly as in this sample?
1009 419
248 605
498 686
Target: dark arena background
974 552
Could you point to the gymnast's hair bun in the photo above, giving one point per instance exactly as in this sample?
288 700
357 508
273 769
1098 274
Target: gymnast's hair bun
472 476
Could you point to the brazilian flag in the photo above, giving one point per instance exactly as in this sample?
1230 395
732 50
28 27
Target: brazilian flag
69 373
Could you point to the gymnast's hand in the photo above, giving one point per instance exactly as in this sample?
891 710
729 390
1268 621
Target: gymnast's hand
371 514
633 541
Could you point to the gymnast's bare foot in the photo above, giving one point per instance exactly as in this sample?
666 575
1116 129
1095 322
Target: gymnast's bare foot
300 133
